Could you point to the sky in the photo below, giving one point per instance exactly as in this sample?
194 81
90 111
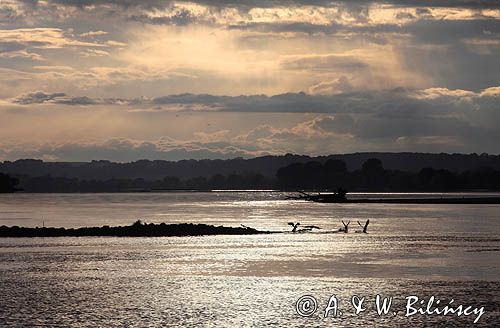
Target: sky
127 80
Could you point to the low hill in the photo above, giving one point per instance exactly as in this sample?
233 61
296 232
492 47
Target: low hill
267 165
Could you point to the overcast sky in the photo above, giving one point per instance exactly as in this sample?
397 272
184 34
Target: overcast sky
125 80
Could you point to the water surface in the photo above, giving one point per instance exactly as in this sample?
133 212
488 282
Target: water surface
450 251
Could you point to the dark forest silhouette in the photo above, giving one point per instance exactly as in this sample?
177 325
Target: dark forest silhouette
329 175
152 170
233 181
373 177
8 183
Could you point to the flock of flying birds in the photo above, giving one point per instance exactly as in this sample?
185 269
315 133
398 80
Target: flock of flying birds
344 229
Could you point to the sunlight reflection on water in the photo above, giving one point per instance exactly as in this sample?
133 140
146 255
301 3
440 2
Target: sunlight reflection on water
228 281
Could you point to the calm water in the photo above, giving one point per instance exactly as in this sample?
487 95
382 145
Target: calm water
448 251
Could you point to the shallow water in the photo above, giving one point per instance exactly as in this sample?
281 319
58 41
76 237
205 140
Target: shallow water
450 251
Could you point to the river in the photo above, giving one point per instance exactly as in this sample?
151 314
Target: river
446 251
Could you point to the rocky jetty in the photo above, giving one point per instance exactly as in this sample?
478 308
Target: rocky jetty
138 229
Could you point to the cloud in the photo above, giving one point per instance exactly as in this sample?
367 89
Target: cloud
94 53
344 121
387 103
308 136
328 62
374 74
268 4
93 33
10 46
41 38
40 97
397 120
53 68
254 46
124 150
28 43
249 13
338 85
14 49
176 16
319 135
491 92
21 54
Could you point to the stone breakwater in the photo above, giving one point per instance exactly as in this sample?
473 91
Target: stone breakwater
138 229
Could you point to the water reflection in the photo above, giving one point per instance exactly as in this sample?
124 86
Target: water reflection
249 281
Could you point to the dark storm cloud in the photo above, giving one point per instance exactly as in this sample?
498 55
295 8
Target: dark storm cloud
276 3
454 62
40 97
367 115
436 119
181 18
424 30
289 102
279 27
389 104
136 10
445 32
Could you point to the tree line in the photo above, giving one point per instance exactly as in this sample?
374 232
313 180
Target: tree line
8 183
52 184
372 176
313 175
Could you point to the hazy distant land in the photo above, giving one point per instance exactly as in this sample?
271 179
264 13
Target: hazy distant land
355 172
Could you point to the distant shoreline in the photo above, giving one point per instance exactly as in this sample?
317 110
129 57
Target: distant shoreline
442 200
353 172
471 191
